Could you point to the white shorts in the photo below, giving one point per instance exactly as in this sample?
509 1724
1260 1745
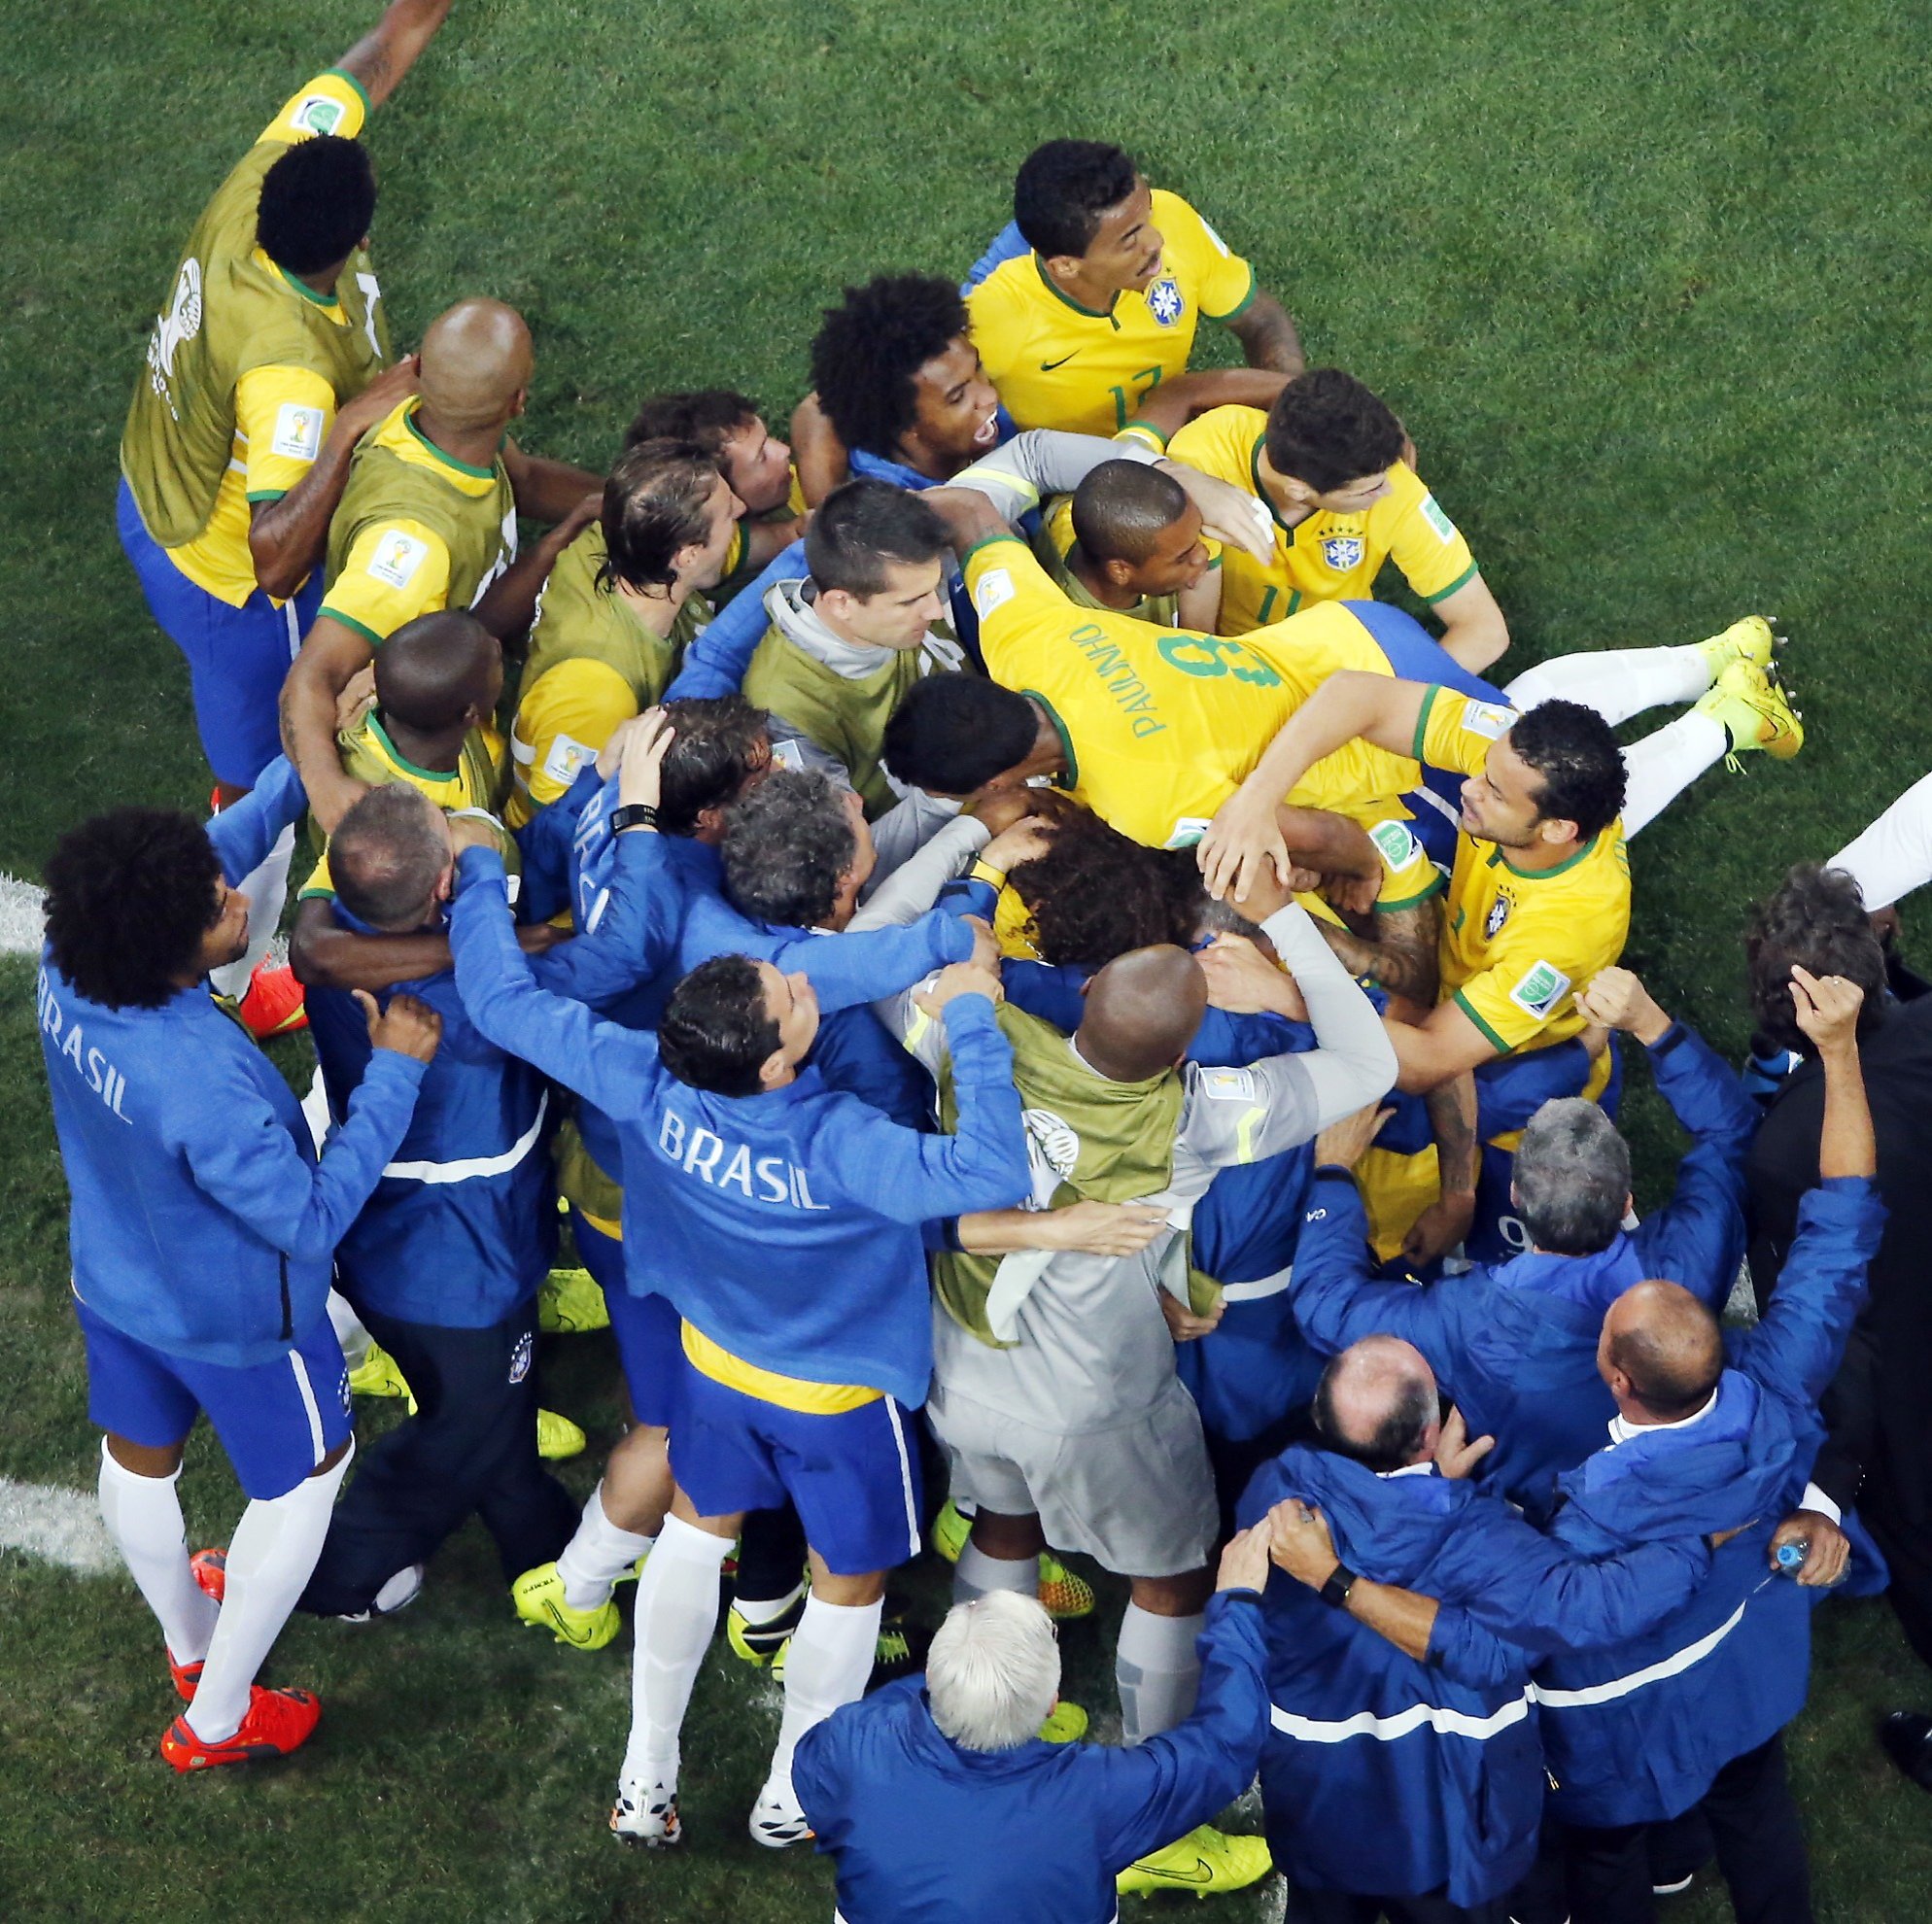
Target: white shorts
1138 1499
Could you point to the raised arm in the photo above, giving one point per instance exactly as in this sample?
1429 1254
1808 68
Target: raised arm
332 653
715 662
379 61
245 832
243 1157
1350 704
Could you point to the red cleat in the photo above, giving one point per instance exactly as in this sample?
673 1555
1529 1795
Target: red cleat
186 1677
273 1005
278 1721
210 1571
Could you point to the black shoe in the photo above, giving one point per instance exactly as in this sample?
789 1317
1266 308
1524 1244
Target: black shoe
1907 1735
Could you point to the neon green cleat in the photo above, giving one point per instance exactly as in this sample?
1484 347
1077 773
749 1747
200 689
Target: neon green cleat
538 1599
1066 1722
558 1438
1062 1595
377 1375
763 1643
1206 1861
1748 640
1749 702
570 1304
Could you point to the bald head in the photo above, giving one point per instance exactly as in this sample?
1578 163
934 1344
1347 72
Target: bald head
440 671
1660 1353
1377 1403
1142 1012
476 363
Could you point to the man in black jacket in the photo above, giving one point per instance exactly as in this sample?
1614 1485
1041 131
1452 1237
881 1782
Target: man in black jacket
1879 1450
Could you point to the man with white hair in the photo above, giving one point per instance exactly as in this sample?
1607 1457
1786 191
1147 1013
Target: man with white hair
892 1783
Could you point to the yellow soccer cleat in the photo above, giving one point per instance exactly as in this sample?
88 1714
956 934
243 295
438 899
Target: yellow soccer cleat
558 1438
1748 640
1206 1861
538 1597
377 1375
1062 1595
1750 704
571 1304
1066 1722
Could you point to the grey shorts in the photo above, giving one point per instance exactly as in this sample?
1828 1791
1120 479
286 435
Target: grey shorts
1138 1499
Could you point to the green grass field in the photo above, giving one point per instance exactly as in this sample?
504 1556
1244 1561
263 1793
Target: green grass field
1649 283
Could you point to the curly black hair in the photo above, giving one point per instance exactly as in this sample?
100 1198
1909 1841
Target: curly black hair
130 894
717 1031
317 202
788 844
1094 894
1325 430
1573 749
869 348
1816 920
1062 189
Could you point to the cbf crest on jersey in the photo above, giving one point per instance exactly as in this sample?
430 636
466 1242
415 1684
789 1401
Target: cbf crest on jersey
520 1356
1499 913
1341 552
1165 302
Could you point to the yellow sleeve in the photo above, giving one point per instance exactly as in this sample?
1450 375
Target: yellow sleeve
1408 875
1221 443
999 327
332 103
1011 595
284 414
1428 546
1144 434
320 882
396 571
1518 994
1220 281
1454 732
565 717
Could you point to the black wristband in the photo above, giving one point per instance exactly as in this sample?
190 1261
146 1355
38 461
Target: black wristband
633 815
1335 1593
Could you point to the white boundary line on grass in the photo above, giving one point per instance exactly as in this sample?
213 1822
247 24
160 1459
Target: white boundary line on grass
22 914
58 1526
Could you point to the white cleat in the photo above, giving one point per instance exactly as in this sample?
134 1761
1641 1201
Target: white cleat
646 1814
778 1821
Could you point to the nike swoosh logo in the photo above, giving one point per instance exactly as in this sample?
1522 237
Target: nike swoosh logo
1202 1874
1048 367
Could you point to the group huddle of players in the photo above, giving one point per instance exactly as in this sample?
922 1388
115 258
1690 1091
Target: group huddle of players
1041 658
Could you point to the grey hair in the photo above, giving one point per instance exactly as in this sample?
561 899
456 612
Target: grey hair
1571 1183
789 846
993 1671
387 855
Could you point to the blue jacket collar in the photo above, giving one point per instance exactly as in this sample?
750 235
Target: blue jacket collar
1590 1282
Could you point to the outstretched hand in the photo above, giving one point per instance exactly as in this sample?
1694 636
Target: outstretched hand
1826 1008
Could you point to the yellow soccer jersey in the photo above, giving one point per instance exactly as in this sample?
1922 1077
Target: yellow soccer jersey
1516 942
1058 364
416 530
247 364
1325 557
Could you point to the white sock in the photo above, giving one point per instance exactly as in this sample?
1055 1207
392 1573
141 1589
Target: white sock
1156 1671
831 1658
142 1516
596 1555
677 1610
270 1561
1663 765
1617 682
355 1341
267 887
975 1573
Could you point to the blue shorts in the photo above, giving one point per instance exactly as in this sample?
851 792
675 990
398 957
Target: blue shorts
237 658
854 1478
277 1421
647 1327
1416 655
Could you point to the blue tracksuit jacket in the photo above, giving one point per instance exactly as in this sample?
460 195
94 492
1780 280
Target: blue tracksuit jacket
1637 1730
462 1226
1515 1343
1046 1827
1386 1776
784 1226
202 1222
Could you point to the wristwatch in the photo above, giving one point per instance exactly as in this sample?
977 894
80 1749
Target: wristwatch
633 815
1335 1593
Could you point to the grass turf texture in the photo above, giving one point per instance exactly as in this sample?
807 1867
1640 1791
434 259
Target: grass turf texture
1647 282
